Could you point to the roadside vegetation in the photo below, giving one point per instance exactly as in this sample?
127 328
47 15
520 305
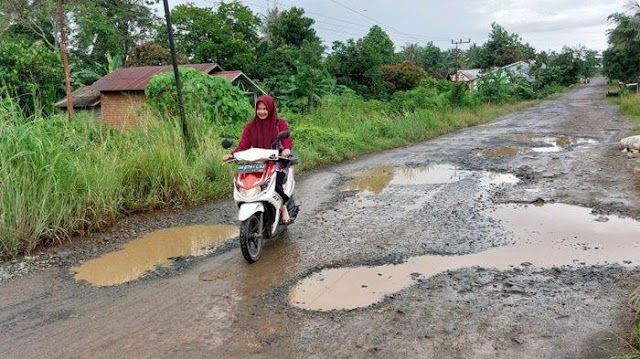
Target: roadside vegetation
630 105
61 178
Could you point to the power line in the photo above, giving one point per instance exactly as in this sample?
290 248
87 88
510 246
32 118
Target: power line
399 34
417 37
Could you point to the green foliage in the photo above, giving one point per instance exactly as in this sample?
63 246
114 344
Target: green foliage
305 89
213 98
356 64
430 58
227 36
31 74
622 58
106 27
291 28
460 97
29 21
420 98
495 87
503 48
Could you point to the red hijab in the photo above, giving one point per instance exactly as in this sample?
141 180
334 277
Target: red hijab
265 131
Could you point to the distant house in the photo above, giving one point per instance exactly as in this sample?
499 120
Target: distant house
469 76
520 69
117 97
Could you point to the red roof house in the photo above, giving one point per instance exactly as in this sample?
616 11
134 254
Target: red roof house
117 97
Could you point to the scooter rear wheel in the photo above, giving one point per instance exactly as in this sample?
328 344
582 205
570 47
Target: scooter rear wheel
251 240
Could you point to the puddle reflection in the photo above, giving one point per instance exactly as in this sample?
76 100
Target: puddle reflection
150 251
376 180
555 144
548 236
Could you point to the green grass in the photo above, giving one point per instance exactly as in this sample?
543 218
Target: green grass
633 343
61 178
630 106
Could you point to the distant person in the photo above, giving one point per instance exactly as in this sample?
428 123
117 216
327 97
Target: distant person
262 132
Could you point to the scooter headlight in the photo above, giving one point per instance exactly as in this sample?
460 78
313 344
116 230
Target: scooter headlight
249 193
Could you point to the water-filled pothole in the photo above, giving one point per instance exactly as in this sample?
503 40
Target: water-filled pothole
557 144
554 144
377 179
503 151
151 251
550 235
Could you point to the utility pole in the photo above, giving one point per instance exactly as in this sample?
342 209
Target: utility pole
176 73
65 61
458 42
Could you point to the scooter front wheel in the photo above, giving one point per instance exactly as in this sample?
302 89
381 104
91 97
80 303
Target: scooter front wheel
251 240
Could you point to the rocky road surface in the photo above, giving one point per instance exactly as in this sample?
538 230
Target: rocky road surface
512 239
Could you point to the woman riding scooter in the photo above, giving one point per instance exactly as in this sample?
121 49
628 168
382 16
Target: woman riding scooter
262 132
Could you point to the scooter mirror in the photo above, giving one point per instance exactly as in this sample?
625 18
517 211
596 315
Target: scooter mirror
227 143
283 135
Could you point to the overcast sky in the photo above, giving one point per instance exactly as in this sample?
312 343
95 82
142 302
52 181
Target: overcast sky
544 24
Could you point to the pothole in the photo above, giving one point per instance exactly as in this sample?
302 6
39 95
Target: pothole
561 143
153 250
553 144
549 235
377 179
503 151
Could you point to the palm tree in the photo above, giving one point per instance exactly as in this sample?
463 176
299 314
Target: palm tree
624 38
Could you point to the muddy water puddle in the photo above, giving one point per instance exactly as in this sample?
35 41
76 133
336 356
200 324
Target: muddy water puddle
153 250
377 179
552 144
279 261
551 235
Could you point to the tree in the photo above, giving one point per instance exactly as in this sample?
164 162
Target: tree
292 28
107 28
29 20
32 74
621 58
357 64
304 89
227 36
430 58
290 58
503 48
402 77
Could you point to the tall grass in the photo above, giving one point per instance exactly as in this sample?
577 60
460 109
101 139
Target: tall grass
61 178
630 106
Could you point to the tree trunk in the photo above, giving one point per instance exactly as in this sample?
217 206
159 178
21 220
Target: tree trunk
65 61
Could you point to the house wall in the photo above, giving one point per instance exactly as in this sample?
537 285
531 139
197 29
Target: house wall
120 109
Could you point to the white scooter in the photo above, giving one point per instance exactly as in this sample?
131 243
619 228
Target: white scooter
255 193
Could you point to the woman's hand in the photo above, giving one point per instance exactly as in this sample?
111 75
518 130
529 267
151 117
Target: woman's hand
227 157
286 152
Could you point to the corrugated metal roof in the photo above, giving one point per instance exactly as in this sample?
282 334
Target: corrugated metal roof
472 74
84 97
137 78
229 75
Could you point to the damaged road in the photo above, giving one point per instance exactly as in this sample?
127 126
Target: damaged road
512 239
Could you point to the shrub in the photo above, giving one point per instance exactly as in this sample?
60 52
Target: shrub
213 98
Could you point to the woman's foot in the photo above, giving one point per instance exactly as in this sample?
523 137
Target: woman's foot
284 215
